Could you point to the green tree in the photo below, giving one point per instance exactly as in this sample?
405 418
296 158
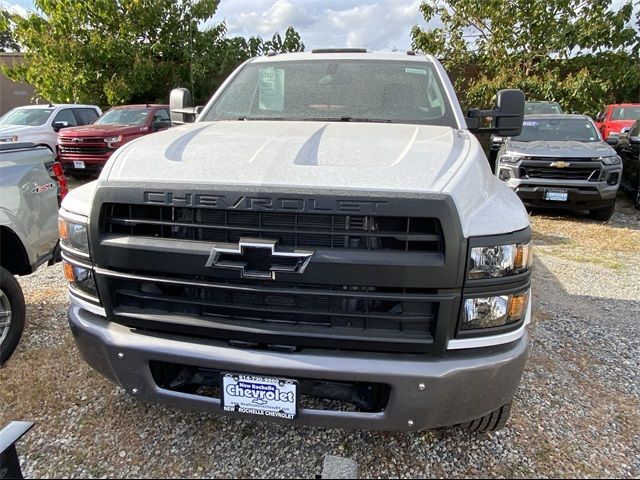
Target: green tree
118 51
581 53
7 40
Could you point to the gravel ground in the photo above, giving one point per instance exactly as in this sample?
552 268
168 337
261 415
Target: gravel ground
576 413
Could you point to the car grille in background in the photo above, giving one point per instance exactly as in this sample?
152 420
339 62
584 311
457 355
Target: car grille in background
363 232
86 146
363 317
570 173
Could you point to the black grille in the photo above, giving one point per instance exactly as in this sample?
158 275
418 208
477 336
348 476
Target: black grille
289 229
84 149
330 316
571 173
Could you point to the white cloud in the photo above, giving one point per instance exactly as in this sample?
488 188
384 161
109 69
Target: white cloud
13 7
376 25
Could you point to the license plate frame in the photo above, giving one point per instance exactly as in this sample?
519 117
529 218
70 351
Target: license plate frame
79 164
273 397
556 195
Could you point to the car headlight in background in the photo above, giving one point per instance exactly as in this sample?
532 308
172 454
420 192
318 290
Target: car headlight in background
112 141
512 158
610 160
500 260
495 311
12 139
74 235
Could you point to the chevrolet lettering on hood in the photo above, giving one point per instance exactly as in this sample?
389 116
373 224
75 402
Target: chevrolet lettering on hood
265 204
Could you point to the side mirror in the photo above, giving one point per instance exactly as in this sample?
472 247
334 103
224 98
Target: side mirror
635 140
181 109
506 117
57 126
161 124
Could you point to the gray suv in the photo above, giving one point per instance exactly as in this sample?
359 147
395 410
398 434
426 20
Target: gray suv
561 161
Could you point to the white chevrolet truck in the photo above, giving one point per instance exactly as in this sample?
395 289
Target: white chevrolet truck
325 245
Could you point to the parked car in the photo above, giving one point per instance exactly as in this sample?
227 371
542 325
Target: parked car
614 118
628 148
39 124
541 107
324 245
84 150
32 184
530 107
561 161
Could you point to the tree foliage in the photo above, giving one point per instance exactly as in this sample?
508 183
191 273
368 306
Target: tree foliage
118 51
581 53
7 40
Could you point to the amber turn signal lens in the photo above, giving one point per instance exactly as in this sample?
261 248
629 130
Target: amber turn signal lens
518 306
69 272
62 229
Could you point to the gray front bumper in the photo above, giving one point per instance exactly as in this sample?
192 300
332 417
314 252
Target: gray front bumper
460 385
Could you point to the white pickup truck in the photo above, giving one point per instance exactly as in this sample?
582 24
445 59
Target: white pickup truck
325 245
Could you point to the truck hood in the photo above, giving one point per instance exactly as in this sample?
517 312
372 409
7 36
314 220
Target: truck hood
617 125
102 130
568 149
302 154
9 130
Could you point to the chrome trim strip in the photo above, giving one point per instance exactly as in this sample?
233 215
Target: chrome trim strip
73 251
459 344
75 261
84 304
73 217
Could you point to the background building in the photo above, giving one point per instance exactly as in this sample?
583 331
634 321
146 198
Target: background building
13 94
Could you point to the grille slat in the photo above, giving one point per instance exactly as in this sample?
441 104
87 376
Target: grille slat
570 173
359 232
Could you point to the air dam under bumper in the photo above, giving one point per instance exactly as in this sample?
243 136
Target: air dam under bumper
460 385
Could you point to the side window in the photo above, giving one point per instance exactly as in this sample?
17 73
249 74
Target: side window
85 116
635 130
161 119
66 115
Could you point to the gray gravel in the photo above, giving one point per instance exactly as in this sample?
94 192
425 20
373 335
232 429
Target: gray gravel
576 413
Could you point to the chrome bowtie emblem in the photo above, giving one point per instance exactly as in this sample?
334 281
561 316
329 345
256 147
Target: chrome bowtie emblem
560 164
257 258
77 140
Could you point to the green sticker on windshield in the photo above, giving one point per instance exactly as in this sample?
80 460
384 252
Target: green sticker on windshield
419 71
271 89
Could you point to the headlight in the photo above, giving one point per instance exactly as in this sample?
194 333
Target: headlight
112 140
498 311
611 160
12 139
73 234
81 278
500 260
511 158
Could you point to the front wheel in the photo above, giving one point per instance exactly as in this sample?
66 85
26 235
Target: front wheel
12 314
491 422
602 214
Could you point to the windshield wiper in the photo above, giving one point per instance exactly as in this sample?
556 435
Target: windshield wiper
345 118
258 118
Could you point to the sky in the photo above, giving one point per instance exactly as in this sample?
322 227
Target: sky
375 25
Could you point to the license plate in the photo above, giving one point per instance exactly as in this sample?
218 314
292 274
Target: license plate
263 396
556 195
78 164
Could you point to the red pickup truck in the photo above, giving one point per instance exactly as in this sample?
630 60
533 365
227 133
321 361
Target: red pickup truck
83 151
614 118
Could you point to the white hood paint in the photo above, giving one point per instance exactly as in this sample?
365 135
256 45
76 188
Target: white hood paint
362 157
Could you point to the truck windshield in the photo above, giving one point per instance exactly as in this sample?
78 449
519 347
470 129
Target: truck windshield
26 116
557 130
124 116
336 90
542 107
626 113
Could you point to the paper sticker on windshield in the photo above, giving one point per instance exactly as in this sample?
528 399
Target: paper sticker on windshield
271 89
530 123
419 71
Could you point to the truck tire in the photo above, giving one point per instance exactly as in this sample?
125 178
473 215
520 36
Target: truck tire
492 422
12 314
602 214
636 194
